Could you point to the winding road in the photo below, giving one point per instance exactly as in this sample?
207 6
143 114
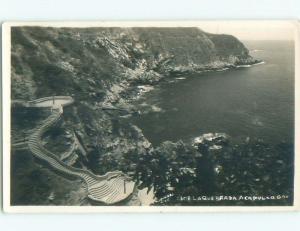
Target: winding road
110 188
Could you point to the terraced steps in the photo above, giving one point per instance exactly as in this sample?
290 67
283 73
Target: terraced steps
109 188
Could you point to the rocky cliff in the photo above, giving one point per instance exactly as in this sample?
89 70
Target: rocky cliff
101 69
98 67
66 60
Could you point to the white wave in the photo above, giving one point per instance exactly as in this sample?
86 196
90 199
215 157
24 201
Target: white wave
223 69
209 137
146 108
145 88
238 66
156 108
250 65
262 62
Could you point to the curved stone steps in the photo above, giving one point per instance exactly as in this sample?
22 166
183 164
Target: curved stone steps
103 189
120 194
105 194
108 188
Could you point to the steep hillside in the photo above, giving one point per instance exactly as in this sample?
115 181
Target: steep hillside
63 60
102 66
101 69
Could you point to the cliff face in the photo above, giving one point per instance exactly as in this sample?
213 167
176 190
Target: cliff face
63 60
99 66
191 46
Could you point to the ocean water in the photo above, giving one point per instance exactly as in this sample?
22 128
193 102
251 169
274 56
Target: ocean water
255 102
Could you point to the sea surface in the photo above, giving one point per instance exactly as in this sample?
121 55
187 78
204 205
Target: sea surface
255 102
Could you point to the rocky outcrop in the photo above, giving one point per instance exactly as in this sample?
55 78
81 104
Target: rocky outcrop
98 67
56 60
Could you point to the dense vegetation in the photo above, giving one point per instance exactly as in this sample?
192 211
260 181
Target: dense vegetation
102 66
249 168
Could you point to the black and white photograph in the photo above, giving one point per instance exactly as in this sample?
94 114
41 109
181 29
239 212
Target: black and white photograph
148 116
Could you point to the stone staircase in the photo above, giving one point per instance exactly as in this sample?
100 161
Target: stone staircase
110 188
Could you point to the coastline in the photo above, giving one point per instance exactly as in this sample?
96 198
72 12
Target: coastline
136 88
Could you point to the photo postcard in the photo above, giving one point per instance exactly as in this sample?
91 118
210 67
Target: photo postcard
150 116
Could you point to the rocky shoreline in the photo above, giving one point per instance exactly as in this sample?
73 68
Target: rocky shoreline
105 70
135 86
